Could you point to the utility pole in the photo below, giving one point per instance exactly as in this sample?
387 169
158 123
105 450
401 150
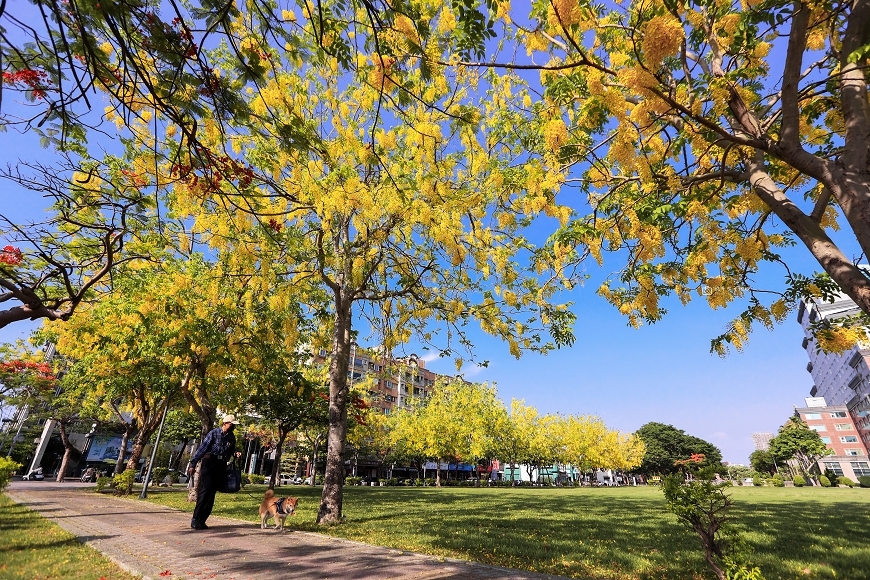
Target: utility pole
144 493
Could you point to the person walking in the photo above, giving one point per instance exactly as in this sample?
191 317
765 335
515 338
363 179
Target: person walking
216 449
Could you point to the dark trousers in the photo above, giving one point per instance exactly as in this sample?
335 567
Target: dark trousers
210 476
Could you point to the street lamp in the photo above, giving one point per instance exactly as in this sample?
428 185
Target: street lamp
89 441
144 493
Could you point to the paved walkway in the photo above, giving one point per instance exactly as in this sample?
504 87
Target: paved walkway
147 539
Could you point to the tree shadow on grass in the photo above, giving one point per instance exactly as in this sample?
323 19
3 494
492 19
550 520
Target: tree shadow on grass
612 533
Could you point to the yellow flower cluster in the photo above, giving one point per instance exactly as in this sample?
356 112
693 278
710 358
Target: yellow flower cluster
662 37
838 340
555 134
564 13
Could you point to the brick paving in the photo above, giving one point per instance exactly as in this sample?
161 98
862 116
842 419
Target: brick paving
147 540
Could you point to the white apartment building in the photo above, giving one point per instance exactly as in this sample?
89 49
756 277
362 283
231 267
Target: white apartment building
842 379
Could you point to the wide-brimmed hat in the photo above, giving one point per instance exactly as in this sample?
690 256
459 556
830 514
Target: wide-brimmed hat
229 419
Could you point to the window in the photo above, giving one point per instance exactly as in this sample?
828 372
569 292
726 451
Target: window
861 468
843 426
809 367
856 360
834 467
812 416
826 440
855 384
849 439
805 342
854 452
838 415
817 427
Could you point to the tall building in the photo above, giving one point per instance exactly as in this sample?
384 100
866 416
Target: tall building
395 380
842 379
762 441
840 433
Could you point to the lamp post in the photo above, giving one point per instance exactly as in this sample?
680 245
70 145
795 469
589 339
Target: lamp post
144 493
89 440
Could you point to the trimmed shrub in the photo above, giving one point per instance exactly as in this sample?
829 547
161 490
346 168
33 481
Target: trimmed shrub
102 483
824 481
256 478
799 481
843 480
7 468
159 474
318 480
864 481
777 481
123 482
757 481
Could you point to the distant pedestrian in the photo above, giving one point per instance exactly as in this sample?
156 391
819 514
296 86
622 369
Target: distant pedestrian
216 450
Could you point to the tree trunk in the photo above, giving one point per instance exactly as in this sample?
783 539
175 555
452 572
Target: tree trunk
122 453
203 408
279 449
333 481
67 451
149 422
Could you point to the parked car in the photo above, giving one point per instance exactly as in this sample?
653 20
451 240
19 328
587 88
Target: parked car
369 479
296 480
285 479
307 480
182 477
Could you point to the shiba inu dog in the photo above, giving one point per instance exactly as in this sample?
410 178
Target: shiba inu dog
276 508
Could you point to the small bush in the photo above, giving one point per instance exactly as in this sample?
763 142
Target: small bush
799 481
318 480
824 481
7 468
843 480
256 478
102 483
757 481
159 474
777 481
864 481
123 482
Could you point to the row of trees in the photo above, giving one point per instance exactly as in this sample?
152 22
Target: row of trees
467 422
375 158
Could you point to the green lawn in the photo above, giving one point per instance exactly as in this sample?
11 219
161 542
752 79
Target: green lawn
32 547
613 533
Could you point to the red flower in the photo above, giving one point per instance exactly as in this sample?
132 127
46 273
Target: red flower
10 255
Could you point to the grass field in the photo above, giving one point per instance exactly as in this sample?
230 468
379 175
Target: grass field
32 547
612 533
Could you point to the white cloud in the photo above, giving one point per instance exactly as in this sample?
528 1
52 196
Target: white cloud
429 357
